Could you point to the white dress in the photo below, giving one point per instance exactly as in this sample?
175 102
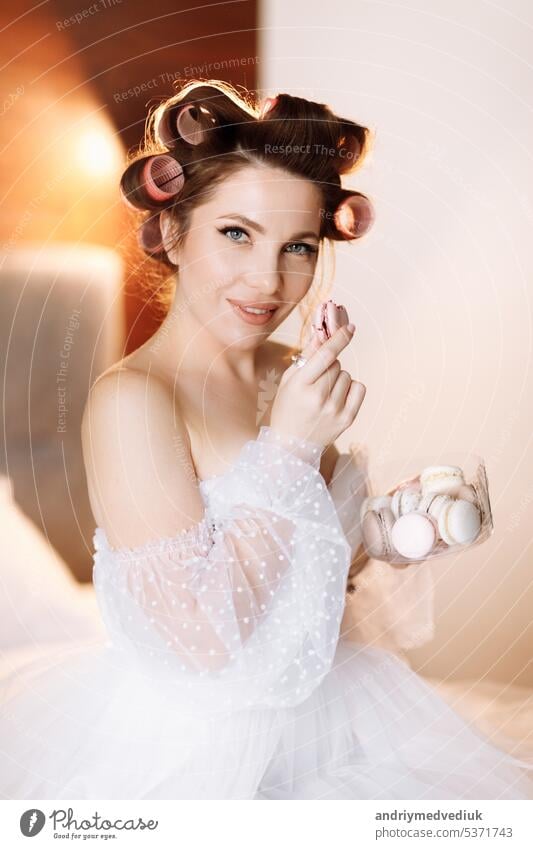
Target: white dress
224 676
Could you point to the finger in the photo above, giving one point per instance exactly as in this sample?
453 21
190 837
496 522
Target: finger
312 345
355 397
327 353
339 393
330 377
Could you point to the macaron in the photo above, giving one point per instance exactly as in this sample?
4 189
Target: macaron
376 531
374 502
459 522
405 499
328 317
414 535
445 479
433 503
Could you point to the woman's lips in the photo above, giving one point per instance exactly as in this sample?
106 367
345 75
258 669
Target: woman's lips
253 318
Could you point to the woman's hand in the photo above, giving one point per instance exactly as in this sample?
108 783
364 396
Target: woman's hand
318 401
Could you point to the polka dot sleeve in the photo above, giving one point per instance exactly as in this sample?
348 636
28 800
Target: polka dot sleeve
244 608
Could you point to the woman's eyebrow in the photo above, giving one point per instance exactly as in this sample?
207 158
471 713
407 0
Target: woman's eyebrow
255 226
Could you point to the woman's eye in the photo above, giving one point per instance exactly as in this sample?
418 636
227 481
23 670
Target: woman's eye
229 231
307 249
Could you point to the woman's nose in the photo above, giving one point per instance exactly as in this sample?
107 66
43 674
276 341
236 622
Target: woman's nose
264 281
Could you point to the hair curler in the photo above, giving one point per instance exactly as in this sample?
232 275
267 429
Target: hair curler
267 105
354 216
189 123
150 237
152 182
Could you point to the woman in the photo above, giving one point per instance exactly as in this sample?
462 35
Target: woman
221 563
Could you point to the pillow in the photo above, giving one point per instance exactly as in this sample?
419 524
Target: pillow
40 599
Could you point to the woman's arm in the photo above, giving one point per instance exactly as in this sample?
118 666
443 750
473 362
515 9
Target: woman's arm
136 451
251 587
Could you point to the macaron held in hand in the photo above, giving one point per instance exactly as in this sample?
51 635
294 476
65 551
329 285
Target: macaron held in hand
327 318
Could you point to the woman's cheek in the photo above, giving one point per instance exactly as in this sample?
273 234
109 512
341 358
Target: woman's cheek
228 266
300 280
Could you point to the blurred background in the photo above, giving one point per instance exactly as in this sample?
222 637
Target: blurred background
440 289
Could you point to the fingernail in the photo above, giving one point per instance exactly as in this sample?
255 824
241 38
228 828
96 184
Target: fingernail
351 327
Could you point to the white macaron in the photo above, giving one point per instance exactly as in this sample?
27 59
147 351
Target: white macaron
433 503
405 499
444 479
459 522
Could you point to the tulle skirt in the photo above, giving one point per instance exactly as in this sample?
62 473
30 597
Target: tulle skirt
83 724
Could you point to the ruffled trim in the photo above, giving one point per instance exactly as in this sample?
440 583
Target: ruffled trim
197 536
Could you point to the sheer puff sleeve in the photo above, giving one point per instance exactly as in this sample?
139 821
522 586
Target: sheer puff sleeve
244 608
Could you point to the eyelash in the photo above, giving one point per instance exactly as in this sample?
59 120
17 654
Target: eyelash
310 249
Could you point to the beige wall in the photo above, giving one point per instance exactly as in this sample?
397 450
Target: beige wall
440 290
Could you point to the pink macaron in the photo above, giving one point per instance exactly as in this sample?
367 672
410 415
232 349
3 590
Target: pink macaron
414 535
327 319
376 529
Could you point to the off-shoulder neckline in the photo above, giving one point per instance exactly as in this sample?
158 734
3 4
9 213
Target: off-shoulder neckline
196 534
199 533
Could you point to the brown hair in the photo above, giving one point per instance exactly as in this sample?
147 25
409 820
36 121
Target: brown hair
303 137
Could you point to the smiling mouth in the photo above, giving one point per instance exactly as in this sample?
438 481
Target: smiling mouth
254 313
256 310
260 306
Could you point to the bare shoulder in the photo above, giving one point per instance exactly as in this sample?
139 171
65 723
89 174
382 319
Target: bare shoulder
121 392
126 383
136 450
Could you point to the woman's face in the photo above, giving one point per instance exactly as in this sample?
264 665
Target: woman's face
254 243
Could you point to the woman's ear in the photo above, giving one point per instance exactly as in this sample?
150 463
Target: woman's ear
169 233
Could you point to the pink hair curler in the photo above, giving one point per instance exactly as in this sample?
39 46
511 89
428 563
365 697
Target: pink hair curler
354 216
266 105
189 123
152 181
